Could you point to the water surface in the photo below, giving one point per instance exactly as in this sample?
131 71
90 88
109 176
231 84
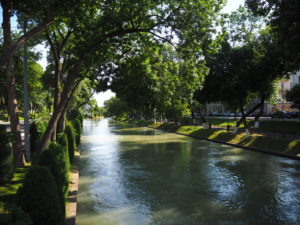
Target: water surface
135 176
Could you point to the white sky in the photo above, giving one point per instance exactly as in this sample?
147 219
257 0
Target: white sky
103 96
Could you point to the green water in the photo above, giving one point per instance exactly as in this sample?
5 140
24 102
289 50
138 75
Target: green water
135 176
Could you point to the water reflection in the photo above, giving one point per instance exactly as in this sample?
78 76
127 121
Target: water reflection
135 175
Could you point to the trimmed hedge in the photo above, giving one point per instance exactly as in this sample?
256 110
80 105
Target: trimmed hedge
56 159
39 197
37 129
69 130
62 139
6 157
77 127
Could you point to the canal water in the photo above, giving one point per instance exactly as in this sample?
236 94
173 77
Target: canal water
135 176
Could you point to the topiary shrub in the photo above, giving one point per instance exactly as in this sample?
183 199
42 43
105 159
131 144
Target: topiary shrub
39 198
37 129
69 130
62 139
80 118
77 127
56 159
6 157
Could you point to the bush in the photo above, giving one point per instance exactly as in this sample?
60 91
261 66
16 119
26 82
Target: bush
71 142
39 198
17 216
62 139
6 157
37 129
80 118
56 159
77 127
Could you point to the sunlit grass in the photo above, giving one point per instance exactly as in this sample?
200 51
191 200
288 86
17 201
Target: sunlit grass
259 141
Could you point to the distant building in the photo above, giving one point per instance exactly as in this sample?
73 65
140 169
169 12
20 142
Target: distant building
216 108
295 79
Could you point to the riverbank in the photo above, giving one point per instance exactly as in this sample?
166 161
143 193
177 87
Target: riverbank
266 143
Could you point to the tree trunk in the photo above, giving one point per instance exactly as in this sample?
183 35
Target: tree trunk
56 93
261 112
12 105
70 86
248 113
61 125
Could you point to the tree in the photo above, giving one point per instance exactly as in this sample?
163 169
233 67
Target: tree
115 107
39 15
284 19
293 95
156 81
244 68
106 30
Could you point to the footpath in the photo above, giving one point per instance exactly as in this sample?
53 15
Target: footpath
71 206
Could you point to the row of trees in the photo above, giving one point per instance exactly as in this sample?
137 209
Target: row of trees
86 38
253 53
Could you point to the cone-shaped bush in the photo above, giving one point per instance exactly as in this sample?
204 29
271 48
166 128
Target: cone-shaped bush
62 139
39 198
69 130
56 159
37 129
80 118
77 127
6 157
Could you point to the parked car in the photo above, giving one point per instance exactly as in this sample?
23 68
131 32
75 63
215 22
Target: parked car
294 114
285 114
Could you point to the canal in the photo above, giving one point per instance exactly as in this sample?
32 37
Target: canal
137 176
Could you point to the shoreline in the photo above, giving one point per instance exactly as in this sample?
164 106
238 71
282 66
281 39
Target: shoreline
280 154
71 206
264 144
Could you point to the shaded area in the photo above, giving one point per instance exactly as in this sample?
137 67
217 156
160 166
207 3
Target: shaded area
8 193
128 177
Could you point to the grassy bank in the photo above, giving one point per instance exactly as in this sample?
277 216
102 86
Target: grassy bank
259 141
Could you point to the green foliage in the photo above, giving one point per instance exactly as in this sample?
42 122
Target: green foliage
115 107
293 96
284 19
37 129
56 159
69 130
39 197
77 127
157 82
62 139
6 157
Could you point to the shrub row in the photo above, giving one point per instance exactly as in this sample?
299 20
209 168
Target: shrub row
39 197
45 188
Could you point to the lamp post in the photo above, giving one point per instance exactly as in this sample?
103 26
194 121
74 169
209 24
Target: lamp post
25 96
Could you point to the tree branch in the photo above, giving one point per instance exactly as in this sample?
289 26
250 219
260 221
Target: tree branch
9 52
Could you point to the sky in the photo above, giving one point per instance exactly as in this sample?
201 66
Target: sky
103 96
